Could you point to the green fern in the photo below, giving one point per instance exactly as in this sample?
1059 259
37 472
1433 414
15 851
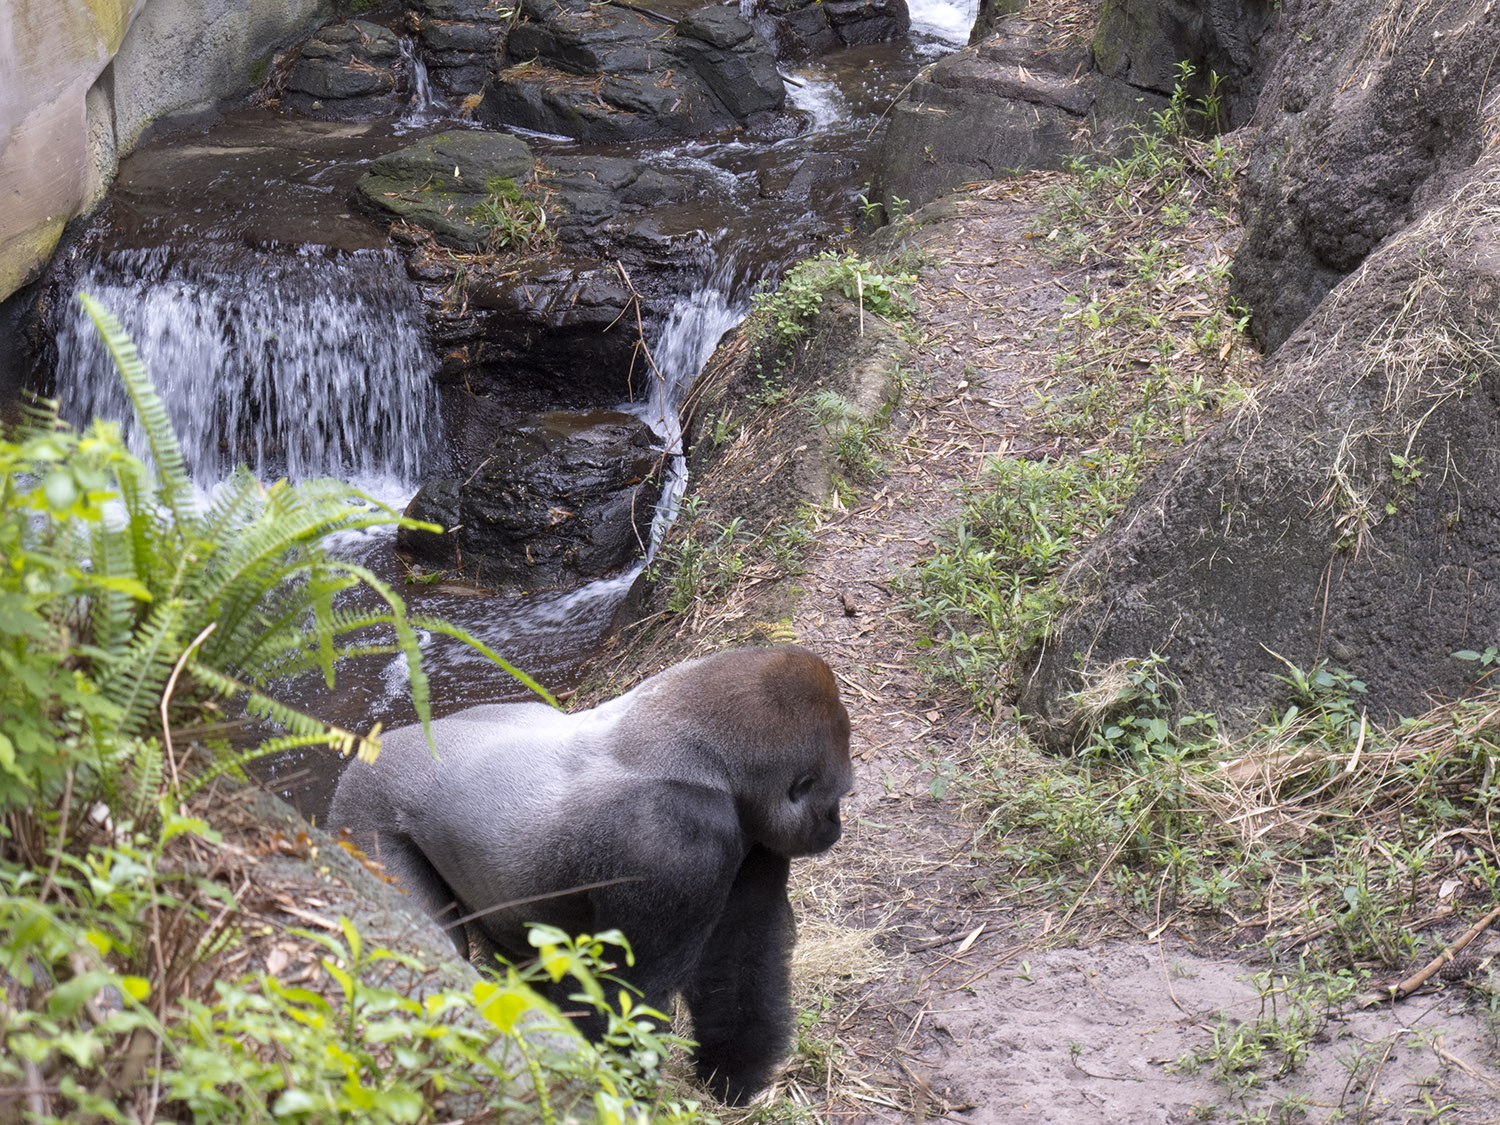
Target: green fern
233 598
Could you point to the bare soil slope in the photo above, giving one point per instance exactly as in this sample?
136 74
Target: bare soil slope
931 988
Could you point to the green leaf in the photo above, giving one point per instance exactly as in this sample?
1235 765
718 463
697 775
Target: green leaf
60 490
294 1102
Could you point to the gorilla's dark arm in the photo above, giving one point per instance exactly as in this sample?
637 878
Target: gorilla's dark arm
660 860
412 873
742 1012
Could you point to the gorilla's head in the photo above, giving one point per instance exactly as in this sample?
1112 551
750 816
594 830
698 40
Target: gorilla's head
783 719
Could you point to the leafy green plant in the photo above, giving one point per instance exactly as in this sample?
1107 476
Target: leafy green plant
990 589
515 221
858 436
131 619
789 308
127 610
1294 1013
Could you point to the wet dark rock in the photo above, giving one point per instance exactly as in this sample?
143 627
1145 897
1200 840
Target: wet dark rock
441 183
990 15
1140 44
591 193
351 69
604 74
731 60
1364 122
462 41
806 28
555 333
560 499
552 324
1292 529
1031 94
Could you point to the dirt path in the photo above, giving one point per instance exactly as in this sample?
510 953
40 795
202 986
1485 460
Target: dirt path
934 990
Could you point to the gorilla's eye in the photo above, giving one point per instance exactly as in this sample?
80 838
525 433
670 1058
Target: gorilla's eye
801 786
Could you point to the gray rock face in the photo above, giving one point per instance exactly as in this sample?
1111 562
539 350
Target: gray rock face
559 500
462 41
80 82
539 332
1140 43
545 339
1030 95
1365 120
810 27
348 69
1293 528
605 74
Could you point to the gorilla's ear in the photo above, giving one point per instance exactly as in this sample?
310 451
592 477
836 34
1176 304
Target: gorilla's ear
801 786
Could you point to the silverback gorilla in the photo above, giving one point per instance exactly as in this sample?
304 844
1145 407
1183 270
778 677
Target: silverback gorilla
686 798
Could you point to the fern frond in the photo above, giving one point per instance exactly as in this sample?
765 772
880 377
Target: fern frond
335 739
144 529
448 629
406 640
114 610
173 484
147 780
298 722
134 682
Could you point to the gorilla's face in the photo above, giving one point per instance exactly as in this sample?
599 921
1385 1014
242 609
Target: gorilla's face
805 817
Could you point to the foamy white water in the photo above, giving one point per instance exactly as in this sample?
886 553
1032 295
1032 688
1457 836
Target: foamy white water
697 324
816 95
945 20
297 363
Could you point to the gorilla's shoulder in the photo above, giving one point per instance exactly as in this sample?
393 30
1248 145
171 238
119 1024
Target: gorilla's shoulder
680 818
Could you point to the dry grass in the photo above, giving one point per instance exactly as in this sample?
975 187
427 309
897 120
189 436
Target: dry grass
1431 348
1292 785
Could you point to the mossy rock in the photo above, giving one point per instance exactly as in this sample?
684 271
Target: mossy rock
440 183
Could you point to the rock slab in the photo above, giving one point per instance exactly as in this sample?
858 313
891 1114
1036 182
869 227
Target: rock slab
560 499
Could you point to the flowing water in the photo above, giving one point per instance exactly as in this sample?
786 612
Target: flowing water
299 364
283 332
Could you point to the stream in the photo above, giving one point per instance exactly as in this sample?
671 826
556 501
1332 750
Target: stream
282 330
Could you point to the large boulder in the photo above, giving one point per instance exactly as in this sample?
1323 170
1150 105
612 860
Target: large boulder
552 333
1349 512
83 78
1369 114
1012 102
586 246
444 182
605 74
810 27
558 500
351 69
1140 45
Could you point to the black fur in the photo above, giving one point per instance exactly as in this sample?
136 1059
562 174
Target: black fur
678 805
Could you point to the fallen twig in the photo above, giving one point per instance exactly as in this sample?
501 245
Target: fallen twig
1406 987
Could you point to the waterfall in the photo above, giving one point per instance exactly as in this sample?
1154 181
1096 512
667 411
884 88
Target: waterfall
424 108
302 363
946 23
818 96
693 330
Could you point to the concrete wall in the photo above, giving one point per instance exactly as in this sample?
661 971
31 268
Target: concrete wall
81 79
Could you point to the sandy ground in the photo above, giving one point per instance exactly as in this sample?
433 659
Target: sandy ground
943 993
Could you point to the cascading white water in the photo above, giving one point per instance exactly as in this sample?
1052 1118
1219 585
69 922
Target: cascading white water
818 96
693 330
946 22
424 107
301 363
536 629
